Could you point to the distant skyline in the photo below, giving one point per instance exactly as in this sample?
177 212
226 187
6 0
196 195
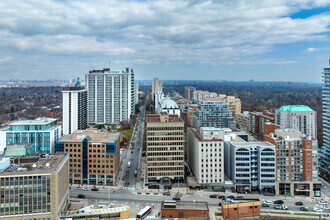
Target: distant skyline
271 40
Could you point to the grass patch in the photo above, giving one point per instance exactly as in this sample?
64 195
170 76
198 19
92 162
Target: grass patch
127 133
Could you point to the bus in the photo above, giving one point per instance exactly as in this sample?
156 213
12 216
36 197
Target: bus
143 213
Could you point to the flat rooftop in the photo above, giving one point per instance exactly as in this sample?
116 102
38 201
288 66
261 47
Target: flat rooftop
240 201
247 144
196 132
156 118
94 135
185 205
43 162
38 121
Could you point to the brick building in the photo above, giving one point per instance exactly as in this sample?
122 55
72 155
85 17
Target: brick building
94 156
243 209
258 120
184 210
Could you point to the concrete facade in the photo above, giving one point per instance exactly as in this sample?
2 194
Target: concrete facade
46 178
111 96
206 154
297 117
165 147
74 110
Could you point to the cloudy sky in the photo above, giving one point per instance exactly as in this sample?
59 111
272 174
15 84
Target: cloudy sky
283 40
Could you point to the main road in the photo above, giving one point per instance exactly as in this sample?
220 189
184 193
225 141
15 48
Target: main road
134 155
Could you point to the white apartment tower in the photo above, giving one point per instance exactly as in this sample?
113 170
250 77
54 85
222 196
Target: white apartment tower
111 96
298 117
74 110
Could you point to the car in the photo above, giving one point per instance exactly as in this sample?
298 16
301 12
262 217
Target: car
265 205
126 184
95 189
268 202
222 197
166 194
84 189
77 188
81 196
132 152
278 202
284 207
305 209
231 197
220 203
240 197
322 202
324 186
176 198
315 209
299 203
213 196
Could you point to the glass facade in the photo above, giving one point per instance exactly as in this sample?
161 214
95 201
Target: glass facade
21 195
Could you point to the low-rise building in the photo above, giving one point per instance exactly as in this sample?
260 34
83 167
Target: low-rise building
184 210
241 209
297 163
165 147
34 187
40 134
94 156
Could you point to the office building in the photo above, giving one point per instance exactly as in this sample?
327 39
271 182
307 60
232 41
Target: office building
94 156
297 163
251 165
257 121
184 210
325 150
34 187
111 96
189 92
298 117
40 134
242 120
241 209
157 84
211 114
74 109
165 147
206 154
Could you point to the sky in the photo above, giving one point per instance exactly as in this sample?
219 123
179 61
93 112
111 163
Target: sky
271 40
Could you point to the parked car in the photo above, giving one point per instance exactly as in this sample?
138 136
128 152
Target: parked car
324 186
222 197
299 203
278 202
265 205
284 207
315 209
231 197
95 189
77 188
322 202
126 184
305 209
84 189
166 194
213 196
81 196
176 198
268 202
240 197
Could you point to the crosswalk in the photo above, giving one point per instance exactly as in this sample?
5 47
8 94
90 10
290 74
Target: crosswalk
129 188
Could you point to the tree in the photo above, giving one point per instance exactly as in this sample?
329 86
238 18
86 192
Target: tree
12 109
